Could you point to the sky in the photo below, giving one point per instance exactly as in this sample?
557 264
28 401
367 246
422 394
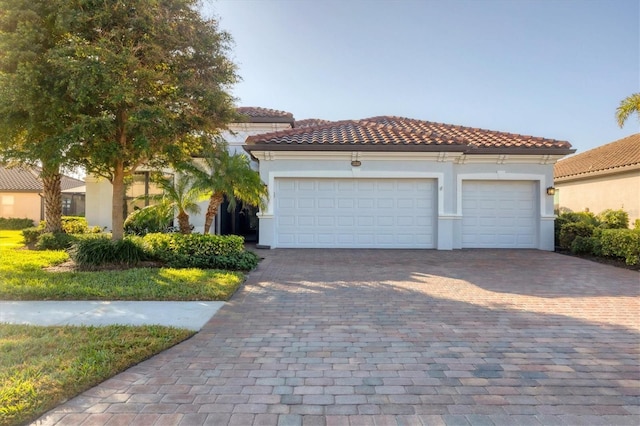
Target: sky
551 68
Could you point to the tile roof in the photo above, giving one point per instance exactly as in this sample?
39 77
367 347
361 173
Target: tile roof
265 115
310 122
610 158
388 133
26 179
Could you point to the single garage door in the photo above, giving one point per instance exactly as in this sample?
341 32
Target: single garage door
355 213
499 214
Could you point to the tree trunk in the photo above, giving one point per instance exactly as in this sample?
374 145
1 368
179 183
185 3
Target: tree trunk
117 200
183 223
52 198
212 210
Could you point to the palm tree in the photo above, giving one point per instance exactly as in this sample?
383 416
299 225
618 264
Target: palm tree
225 175
628 106
182 197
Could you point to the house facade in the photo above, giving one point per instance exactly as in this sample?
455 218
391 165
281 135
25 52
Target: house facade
385 182
391 182
606 177
21 194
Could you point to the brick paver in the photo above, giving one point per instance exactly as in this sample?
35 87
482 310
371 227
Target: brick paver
396 337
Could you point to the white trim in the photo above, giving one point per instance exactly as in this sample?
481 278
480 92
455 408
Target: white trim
502 175
355 173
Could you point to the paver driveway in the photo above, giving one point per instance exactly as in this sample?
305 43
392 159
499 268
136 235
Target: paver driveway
380 337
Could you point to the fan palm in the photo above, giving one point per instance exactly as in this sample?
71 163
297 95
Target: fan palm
182 197
226 175
628 106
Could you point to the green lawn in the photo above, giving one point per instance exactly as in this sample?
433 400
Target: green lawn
40 367
22 278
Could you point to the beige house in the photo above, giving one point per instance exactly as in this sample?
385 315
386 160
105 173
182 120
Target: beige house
607 177
21 194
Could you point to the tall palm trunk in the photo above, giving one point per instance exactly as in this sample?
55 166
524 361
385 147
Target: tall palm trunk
52 198
212 210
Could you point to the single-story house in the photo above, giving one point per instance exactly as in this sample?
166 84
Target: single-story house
392 182
606 177
386 182
21 194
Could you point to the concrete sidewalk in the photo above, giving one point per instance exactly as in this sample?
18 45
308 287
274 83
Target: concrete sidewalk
189 315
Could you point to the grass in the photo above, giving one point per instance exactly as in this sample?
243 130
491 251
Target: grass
41 367
22 278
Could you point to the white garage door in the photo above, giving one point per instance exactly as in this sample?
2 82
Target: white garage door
355 213
499 214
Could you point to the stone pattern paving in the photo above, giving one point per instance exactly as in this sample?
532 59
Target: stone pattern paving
396 337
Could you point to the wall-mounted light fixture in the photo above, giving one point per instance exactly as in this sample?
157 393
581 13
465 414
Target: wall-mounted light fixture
551 190
356 163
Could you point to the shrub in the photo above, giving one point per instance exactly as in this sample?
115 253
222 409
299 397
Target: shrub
54 241
91 252
199 251
636 224
31 235
14 224
572 217
569 232
151 219
583 245
621 243
74 225
614 219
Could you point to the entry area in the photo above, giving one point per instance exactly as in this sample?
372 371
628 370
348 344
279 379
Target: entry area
355 213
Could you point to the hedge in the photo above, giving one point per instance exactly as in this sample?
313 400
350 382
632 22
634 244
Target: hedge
621 243
14 223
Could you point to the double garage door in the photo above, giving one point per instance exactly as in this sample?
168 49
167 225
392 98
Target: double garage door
400 213
355 213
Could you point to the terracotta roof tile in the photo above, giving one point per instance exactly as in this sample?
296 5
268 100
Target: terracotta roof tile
310 122
396 133
25 179
612 157
265 115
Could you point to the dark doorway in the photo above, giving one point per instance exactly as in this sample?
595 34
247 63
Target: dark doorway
242 221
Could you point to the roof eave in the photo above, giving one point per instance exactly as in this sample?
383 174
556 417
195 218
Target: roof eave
354 147
597 173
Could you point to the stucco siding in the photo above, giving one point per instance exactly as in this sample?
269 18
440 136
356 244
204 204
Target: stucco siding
620 191
21 205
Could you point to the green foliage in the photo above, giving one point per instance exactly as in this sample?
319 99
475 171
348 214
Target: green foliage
151 219
74 225
636 224
621 243
583 245
31 235
200 251
93 252
614 219
628 106
13 223
54 241
571 230
572 217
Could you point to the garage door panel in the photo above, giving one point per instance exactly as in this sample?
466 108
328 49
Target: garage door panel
499 214
384 213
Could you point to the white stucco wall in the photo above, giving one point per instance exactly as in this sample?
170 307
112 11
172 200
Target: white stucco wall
598 193
450 170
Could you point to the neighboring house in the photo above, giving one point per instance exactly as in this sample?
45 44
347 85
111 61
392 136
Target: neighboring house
390 182
21 194
606 177
241 222
386 182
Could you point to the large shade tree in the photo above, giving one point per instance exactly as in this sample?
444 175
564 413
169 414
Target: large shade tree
628 106
144 77
225 175
33 112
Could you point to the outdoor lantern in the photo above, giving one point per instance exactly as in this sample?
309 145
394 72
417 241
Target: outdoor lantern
551 190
